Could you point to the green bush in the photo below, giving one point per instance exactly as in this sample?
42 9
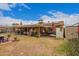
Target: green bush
71 47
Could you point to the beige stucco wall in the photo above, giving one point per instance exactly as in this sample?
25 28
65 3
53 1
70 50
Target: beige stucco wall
59 33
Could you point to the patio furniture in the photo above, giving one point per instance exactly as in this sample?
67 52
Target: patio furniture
1 39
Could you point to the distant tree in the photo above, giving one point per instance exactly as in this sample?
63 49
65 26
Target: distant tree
21 23
40 21
14 24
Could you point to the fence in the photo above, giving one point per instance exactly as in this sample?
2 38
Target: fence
71 32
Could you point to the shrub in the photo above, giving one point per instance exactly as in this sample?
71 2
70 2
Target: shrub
71 47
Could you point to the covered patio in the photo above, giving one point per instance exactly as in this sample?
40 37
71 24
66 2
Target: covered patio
44 29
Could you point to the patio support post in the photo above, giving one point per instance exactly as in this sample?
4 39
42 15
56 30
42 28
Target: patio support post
39 32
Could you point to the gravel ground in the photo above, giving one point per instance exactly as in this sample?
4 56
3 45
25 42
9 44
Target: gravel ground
30 46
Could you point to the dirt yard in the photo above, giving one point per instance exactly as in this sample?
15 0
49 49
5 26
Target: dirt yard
30 46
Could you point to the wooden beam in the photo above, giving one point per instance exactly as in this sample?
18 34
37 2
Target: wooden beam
27 31
39 32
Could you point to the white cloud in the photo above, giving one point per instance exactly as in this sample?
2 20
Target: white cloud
46 18
26 6
12 5
73 19
20 4
7 7
59 16
55 17
4 6
9 21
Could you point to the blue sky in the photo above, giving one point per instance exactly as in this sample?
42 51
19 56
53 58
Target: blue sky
35 11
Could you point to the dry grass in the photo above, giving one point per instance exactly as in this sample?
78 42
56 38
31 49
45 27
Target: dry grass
30 46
